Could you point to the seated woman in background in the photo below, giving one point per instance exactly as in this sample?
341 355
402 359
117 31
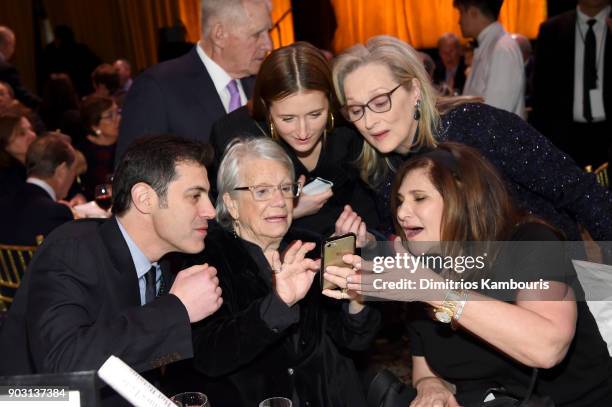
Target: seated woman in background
294 104
275 334
387 94
16 135
475 340
101 117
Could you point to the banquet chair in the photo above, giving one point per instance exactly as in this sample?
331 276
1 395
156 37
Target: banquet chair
14 261
601 174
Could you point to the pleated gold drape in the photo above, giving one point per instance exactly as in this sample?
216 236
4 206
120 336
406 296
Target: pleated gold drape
421 22
116 28
17 14
281 35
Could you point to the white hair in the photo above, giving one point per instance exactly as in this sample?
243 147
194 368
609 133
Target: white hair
237 154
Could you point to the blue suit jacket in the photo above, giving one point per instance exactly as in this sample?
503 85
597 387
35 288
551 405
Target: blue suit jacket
176 96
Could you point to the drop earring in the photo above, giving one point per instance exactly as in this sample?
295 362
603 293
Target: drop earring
417 110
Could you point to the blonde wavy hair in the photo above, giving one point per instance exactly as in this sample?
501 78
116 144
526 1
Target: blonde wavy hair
405 65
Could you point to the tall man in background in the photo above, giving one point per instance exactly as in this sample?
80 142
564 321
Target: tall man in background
186 95
573 81
497 72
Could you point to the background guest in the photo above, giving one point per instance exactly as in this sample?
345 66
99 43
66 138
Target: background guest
186 95
294 104
573 81
124 69
33 209
105 81
16 135
450 72
101 118
9 74
60 105
497 71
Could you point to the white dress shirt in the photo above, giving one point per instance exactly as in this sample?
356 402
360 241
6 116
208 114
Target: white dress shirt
498 72
599 28
220 78
141 264
39 182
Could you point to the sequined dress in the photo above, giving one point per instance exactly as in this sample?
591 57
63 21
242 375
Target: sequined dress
542 179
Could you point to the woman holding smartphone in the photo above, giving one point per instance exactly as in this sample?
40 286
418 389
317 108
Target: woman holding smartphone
294 104
469 340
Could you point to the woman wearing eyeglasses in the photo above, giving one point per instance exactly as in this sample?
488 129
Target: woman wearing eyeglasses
275 334
389 98
100 116
294 104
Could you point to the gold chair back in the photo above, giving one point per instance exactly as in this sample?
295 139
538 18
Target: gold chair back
601 174
14 261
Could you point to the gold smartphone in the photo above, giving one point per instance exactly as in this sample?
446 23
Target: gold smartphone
331 254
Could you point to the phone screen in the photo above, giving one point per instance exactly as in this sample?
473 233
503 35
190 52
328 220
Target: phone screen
332 251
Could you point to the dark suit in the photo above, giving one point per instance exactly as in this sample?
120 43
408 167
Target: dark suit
79 303
28 213
176 96
553 83
9 74
440 75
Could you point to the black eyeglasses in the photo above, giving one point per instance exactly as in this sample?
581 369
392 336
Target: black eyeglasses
378 104
265 192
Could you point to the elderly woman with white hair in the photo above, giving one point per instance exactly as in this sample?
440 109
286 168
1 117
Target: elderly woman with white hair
276 334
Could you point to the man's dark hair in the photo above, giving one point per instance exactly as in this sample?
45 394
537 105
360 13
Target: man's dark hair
48 152
489 8
106 75
153 160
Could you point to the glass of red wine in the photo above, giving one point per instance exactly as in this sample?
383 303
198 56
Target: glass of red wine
104 196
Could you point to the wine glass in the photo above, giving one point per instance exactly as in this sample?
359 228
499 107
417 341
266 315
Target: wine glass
191 399
276 402
104 196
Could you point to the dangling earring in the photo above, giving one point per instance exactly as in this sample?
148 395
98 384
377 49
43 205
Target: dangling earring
417 110
273 130
331 120
236 227
98 132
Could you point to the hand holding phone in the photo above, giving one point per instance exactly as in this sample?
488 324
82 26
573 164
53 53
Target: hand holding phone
317 186
332 251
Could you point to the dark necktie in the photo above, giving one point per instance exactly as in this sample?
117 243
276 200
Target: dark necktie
150 289
589 79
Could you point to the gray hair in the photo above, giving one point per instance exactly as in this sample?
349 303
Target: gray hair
449 37
236 156
225 10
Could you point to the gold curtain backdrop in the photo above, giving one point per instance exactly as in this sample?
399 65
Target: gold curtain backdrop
421 22
128 28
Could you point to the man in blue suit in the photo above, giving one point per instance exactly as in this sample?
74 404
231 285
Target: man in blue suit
186 95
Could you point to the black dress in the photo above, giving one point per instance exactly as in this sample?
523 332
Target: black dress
255 347
583 378
542 179
336 163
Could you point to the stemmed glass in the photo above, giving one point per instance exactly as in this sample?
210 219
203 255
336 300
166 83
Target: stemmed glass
103 195
276 402
191 399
